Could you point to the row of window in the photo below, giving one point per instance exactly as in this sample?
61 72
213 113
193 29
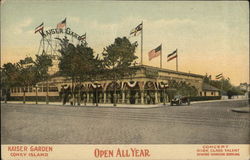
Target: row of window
33 89
205 93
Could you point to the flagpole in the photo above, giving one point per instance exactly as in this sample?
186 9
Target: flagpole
43 46
177 62
65 26
222 80
142 43
161 57
85 38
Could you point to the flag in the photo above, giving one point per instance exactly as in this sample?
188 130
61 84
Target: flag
134 31
61 24
154 53
39 28
219 76
82 38
172 55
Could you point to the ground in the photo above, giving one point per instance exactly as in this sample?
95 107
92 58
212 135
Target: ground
200 123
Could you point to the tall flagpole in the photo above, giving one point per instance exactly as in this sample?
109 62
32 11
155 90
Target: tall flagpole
142 43
43 46
177 62
65 26
161 57
85 38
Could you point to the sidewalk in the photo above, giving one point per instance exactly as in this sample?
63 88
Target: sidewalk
241 109
109 105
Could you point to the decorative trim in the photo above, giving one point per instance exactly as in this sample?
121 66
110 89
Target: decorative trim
132 83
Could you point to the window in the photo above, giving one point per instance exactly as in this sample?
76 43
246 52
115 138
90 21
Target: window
53 89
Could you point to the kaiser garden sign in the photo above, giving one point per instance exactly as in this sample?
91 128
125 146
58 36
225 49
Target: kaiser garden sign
67 31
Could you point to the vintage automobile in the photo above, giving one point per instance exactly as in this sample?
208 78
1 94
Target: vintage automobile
179 100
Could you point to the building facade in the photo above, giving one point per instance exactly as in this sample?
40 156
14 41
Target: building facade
150 85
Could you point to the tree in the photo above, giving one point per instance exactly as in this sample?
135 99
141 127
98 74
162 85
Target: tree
118 59
182 88
234 91
78 63
42 64
9 78
27 74
225 85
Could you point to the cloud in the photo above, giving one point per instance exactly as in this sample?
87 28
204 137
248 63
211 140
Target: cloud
19 28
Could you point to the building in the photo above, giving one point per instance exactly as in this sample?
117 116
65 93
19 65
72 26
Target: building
147 86
208 90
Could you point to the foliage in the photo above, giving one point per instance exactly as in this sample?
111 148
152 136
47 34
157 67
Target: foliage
42 64
234 91
78 62
26 72
183 88
9 75
224 84
118 59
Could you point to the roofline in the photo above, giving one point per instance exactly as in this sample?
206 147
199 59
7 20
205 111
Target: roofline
170 71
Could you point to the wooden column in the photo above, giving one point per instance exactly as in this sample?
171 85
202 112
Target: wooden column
123 96
156 97
104 97
142 97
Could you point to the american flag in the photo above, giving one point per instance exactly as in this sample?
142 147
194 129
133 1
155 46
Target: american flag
155 52
61 24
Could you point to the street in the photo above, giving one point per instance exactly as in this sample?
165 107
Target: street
199 123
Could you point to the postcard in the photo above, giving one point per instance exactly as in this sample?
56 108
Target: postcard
133 80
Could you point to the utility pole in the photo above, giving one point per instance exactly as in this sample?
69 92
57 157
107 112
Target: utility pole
142 44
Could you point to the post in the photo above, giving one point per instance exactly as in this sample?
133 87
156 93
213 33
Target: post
5 96
65 27
88 96
164 96
47 92
104 97
142 97
36 95
177 63
24 95
114 91
115 94
161 57
142 43
123 96
73 91
156 97
96 96
221 88
43 47
79 95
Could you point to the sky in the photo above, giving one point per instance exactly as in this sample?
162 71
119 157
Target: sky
211 37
